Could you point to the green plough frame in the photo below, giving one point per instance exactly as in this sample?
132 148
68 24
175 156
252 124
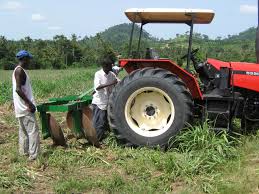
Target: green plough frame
68 103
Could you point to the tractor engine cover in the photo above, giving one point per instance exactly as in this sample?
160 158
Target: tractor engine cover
244 75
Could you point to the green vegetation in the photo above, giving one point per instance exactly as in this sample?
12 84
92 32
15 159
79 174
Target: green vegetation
62 52
51 83
198 160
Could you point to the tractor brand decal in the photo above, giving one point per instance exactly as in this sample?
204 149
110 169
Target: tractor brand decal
252 73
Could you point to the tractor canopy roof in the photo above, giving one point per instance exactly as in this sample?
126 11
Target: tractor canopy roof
170 15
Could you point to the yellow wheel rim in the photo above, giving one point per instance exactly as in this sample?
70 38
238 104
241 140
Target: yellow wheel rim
149 111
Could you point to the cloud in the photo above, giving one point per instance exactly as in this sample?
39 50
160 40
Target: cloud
12 6
54 28
38 17
248 9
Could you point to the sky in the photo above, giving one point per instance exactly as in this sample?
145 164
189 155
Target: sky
47 18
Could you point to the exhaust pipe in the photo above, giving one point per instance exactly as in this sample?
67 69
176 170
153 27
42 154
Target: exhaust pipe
257 37
257 45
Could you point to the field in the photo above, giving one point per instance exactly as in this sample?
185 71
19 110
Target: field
198 161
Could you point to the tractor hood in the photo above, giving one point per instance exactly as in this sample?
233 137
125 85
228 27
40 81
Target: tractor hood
218 64
244 75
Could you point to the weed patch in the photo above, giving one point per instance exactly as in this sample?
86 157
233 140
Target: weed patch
197 161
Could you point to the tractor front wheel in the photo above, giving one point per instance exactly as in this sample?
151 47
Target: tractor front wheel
148 107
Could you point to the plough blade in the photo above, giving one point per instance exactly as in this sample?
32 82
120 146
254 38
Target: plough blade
89 130
87 126
69 120
56 132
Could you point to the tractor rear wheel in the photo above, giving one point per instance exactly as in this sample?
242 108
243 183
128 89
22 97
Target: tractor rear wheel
148 107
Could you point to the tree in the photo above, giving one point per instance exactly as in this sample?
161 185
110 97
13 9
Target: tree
64 52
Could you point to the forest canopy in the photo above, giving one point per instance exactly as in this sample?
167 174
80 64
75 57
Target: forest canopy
67 52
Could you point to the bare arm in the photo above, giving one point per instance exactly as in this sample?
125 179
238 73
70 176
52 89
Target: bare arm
106 85
20 78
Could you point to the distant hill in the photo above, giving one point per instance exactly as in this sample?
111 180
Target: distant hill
120 34
64 52
240 47
248 34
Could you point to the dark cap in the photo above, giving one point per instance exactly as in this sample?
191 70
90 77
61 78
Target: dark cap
23 53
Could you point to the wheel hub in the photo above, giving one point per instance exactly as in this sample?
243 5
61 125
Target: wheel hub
149 111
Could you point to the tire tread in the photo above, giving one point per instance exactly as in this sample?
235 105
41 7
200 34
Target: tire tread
147 72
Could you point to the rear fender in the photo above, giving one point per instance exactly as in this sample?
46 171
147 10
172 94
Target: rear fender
191 82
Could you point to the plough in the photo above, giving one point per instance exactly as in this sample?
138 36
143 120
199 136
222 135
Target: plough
78 118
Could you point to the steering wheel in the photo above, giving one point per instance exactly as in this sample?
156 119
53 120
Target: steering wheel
194 52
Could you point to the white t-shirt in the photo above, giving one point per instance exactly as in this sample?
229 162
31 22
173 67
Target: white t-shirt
116 70
101 97
19 104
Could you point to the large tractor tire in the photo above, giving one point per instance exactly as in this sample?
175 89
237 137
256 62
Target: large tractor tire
148 107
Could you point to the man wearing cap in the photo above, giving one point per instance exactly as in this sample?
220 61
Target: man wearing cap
24 105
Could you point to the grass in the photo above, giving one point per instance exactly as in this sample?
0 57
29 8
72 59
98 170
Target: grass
50 83
198 160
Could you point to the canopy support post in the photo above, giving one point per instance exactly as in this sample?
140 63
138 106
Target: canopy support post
190 44
139 40
131 39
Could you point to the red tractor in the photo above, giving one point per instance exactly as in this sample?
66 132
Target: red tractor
158 98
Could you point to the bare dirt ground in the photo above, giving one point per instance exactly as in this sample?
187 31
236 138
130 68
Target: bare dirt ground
40 174
83 168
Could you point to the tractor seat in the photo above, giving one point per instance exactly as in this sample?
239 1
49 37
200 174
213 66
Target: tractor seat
151 54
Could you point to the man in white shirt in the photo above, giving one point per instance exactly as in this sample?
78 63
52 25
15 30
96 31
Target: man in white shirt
104 81
116 69
24 105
